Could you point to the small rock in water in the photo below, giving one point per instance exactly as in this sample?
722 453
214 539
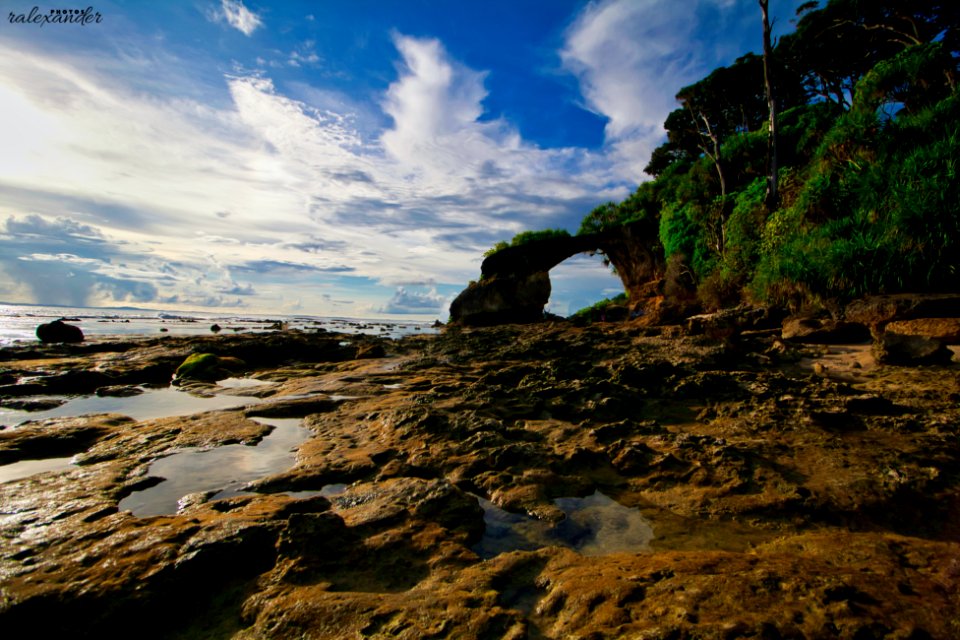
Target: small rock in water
59 331
119 391
215 328
32 404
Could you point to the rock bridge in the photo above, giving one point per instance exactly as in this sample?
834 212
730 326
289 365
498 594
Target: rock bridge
515 286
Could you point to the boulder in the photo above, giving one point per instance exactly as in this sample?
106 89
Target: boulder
208 367
946 330
894 348
728 321
876 311
59 331
823 331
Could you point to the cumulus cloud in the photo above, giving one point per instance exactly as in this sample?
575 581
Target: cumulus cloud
260 184
239 17
63 261
631 58
406 301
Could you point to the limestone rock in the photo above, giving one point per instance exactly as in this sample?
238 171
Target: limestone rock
876 311
823 331
946 330
504 299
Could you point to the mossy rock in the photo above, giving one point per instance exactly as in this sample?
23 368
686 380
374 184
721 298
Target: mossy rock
208 367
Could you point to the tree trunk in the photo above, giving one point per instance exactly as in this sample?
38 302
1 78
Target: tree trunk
773 196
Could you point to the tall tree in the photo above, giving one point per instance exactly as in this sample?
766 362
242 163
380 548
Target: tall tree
773 198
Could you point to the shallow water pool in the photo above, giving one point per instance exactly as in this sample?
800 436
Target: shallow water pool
27 468
152 403
595 525
220 472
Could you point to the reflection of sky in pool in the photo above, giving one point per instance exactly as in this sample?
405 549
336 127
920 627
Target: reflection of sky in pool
25 468
595 525
153 403
223 470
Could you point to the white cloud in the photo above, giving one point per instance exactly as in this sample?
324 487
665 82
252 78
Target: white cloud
209 186
632 58
625 54
406 301
239 17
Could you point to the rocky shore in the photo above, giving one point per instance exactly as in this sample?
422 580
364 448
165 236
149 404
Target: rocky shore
792 490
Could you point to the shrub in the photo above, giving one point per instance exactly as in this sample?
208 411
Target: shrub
526 237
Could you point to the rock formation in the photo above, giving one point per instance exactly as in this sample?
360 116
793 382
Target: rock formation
514 284
783 503
59 331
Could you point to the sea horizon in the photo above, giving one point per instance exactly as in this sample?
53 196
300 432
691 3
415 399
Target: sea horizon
19 321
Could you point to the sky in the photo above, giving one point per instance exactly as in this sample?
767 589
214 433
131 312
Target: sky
333 157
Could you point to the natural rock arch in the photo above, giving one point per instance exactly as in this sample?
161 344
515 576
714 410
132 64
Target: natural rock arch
515 285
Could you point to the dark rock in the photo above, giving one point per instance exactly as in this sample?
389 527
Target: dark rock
946 330
729 321
32 404
293 407
824 331
42 440
876 311
515 285
369 350
893 348
82 381
215 328
506 299
19 390
59 331
119 391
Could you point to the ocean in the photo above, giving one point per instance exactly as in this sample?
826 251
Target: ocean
18 323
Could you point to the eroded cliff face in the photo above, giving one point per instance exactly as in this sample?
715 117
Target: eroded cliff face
503 299
514 286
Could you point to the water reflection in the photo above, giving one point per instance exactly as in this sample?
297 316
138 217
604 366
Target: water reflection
220 472
595 525
27 468
153 403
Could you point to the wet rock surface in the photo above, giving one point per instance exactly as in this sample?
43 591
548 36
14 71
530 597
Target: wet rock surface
793 490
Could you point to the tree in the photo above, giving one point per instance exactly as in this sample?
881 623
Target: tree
772 199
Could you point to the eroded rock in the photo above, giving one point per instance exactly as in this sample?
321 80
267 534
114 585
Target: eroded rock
781 502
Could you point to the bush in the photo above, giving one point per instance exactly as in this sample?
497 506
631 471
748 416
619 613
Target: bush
596 310
526 237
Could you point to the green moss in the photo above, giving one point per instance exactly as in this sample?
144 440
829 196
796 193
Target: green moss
208 367
526 237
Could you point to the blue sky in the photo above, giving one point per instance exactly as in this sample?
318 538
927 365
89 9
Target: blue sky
335 157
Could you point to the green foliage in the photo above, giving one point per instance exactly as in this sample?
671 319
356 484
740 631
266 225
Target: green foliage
526 237
869 133
500 246
596 309
878 212
643 205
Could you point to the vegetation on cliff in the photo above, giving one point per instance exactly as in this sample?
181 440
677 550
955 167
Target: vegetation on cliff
868 133
526 237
